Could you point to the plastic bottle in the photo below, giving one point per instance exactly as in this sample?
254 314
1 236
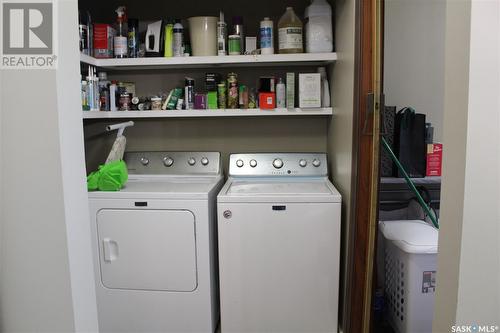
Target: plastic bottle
221 36
325 88
238 30
169 40
280 94
103 91
290 33
178 40
112 96
120 41
133 38
266 36
319 36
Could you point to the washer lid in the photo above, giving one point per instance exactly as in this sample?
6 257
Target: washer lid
267 190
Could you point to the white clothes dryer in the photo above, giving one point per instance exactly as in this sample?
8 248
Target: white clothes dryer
279 244
154 245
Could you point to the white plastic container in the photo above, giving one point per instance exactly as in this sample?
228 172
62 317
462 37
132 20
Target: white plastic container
203 33
410 265
266 36
319 35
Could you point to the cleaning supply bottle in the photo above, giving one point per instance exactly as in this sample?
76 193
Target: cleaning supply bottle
178 39
169 40
133 38
319 35
280 94
266 36
221 36
120 41
325 88
290 33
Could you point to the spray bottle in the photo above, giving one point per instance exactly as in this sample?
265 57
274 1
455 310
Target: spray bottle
221 36
178 39
121 38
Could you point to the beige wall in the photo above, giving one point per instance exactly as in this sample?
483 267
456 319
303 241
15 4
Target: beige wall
468 259
46 269
340 130
414 57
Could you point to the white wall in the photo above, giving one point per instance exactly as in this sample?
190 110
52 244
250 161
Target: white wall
414 57
479 282
46 280
469 255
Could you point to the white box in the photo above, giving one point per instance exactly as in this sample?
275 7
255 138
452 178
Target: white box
290 90
250 44
410 265
309 90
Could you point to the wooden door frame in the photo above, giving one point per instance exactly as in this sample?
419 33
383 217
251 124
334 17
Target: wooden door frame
368 82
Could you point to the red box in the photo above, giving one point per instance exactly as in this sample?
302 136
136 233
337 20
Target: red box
434 159
267 100
103 40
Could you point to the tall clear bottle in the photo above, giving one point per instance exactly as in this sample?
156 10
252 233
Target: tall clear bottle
120 41
290 33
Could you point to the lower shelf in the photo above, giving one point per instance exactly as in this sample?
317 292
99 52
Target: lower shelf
207 113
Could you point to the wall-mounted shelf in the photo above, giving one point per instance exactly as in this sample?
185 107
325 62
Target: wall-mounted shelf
298 59
207 113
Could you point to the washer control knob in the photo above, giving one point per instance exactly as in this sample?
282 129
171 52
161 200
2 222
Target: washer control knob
316 162
303 163
168 161
204 160
191 161
278 163
239 163
253 163
144 161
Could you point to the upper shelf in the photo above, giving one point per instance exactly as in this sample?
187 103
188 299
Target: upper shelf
297 59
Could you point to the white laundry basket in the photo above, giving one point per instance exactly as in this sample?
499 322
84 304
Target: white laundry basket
410 253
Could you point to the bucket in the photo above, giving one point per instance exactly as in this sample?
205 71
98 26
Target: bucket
203 33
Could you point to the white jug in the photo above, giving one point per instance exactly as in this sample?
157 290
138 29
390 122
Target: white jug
319 35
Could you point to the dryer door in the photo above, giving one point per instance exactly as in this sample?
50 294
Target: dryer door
147 249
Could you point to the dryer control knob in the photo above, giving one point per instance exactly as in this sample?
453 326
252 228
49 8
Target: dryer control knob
239 163
316 162
168 161
303 163
204 160
278 163
144 161
253 163
191 161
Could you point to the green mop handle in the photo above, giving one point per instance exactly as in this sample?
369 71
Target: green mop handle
411 184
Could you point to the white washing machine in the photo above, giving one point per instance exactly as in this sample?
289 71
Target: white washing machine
279 243
154 245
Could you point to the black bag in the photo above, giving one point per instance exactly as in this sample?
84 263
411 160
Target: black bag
388 122
409 142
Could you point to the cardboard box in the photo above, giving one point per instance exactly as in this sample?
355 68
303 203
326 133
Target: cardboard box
103 40
267 100
309 90
290 90
434 159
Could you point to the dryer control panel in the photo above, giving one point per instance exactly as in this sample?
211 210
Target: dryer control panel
173 163
278 164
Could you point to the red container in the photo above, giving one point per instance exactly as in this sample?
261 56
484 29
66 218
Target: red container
103 40
434 159
267 100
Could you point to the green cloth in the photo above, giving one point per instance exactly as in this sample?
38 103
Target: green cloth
109 177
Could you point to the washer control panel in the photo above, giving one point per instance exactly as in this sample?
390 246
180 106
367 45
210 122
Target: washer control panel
172 163
278 164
